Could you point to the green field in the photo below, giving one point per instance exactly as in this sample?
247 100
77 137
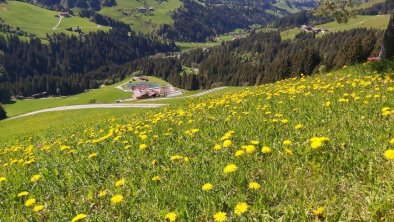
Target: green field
141 22
104 94
361 21
54 121
40 21
304 149
282 4
184 46
368 4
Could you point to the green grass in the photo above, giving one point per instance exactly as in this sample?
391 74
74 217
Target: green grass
361 21
368 4
105 94
141 22
185 46
282 4
40 21
53 121
161 158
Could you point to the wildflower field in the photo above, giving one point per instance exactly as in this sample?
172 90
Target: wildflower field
303 149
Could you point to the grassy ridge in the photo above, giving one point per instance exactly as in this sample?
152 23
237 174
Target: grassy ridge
361 21
297 150
40 21
141 22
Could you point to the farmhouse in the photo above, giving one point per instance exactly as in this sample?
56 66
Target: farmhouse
313 29
64 14
145 9
146 90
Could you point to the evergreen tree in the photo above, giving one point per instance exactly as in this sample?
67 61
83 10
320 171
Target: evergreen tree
3 114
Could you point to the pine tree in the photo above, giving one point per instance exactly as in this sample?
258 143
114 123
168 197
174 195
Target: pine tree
3 114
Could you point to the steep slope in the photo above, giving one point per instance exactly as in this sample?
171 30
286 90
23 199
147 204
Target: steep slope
302 149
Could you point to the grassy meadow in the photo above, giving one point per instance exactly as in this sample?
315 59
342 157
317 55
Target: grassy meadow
139 21
302 149
40 21
104 94
361 21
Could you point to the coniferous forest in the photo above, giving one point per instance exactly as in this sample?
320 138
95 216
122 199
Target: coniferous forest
62 65
258 59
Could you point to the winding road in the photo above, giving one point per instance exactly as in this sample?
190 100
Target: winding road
57 25
115 105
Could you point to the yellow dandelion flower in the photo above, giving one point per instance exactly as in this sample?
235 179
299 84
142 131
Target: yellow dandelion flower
316 144
289 151
38 208
250 149
230 168
176 157
156 178
143 137
143 146
241 208
92 155
266 150
30 202
284 120
116 199
79 217
3 179
23 193
392 141
239 153
207 187
120 182
298 126
287 142
255 142
171 216
254 186
227 143
389 154
35 178
220 217
318 212
217 147
102 193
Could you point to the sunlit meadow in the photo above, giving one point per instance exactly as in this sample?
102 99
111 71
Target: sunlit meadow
303 149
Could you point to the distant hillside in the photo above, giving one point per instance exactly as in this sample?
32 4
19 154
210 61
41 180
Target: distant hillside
69 4
66 62
40 22
209 18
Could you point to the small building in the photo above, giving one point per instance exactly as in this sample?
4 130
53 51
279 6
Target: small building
145 9
64 14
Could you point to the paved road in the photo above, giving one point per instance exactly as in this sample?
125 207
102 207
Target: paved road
90 106
115 105
182 97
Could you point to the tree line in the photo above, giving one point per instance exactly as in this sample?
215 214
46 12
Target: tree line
265 58
195 22
69 4
31 67
258 59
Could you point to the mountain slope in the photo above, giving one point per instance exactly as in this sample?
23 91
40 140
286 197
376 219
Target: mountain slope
301 149
40 22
